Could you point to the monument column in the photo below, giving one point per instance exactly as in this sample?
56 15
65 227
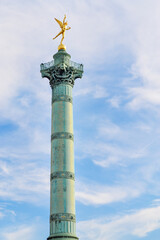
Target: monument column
62 73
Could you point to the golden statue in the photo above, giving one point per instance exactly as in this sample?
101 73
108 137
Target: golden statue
63 27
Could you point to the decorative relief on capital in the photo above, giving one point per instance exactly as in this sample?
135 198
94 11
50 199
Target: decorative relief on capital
62 174
63 217
62 73
62 98
62 135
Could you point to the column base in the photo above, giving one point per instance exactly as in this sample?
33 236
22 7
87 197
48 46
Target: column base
62 237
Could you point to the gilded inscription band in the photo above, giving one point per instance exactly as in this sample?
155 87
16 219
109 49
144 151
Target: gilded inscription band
63 217
62 135
64 98
62 174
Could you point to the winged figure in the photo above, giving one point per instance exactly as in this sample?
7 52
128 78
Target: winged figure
63 27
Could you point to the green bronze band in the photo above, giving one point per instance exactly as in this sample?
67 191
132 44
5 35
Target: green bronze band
63 98
62 174
62 236
63 217
62 135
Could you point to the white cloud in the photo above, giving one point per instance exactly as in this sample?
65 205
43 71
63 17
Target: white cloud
94 194
145 47
1 215
25 181
23 232
139 224
120 143
109 130
115 149
5 212
156 202
115 102
95 91
144 97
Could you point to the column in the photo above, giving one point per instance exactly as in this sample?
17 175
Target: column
62 73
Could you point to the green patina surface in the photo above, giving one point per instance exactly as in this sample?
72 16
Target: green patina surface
62 73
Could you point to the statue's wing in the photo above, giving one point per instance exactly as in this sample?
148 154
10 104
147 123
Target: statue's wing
59 22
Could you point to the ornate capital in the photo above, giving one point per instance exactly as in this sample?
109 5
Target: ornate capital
61 70
62 74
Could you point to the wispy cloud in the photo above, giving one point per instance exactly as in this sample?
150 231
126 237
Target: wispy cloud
146 51
23 232
139 224
28 182
94 194
1 215
144 97
117 143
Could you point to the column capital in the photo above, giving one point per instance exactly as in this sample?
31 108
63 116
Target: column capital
61 69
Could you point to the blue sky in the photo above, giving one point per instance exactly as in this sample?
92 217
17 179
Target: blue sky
116 117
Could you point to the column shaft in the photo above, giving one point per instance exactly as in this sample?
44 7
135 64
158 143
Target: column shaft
62 202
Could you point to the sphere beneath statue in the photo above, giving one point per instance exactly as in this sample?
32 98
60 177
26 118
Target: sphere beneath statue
61 46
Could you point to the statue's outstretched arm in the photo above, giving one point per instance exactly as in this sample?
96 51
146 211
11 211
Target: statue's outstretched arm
68 28
64 18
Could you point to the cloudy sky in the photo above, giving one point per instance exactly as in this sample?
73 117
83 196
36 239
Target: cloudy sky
116 117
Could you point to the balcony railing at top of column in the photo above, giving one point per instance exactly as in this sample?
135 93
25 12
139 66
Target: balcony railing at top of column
76 65
47 65
50 64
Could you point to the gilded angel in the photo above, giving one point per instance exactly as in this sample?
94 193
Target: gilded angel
63 27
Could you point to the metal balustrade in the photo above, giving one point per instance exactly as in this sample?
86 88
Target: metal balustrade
76 65
50 64
47 65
